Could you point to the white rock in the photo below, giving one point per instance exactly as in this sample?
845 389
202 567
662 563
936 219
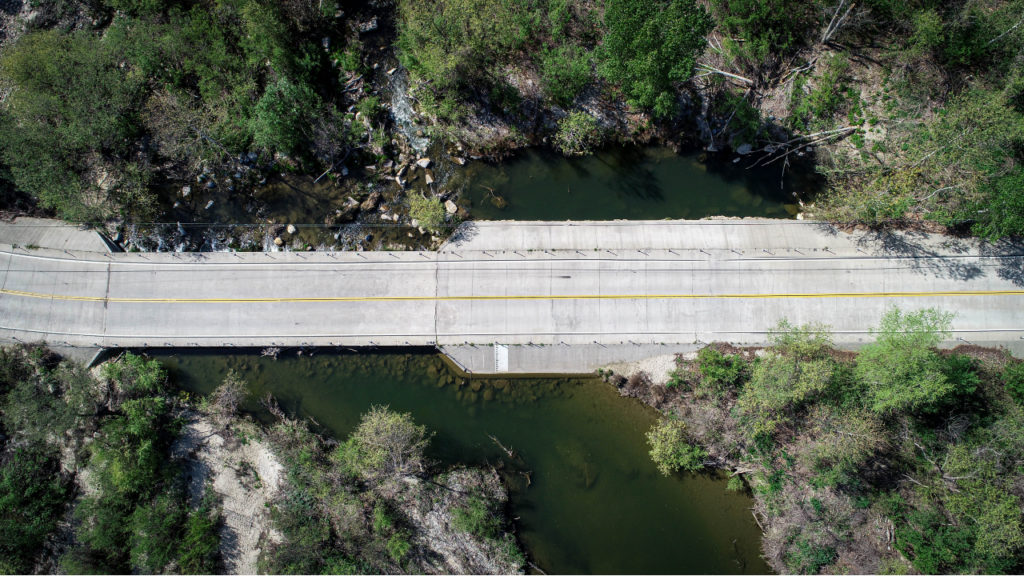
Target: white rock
186 190
415 223
423 162
430 179
392 71
712 148
459 161
291 229
209 204
744 149
810 148
450 207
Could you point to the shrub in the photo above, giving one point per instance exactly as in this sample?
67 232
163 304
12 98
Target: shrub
385 444
32 498
398 545
566 71
474 517
429 211
1013 377
671 449
155 528
578 133
769 27
71 118
720 371
282 114
900 369
649 45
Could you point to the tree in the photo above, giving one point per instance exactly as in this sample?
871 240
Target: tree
32 498
429 212
900 369
671 449
649 45
578 133
385 444
68 130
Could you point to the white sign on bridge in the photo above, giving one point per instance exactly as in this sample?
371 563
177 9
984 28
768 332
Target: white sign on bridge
501 357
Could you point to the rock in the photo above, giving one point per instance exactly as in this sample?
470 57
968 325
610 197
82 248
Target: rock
735 160
211 184
278 241
430 179
370 169
368 26
186 190
252 156
415 223
389 164
371 202
769 149
392 71
422 230
326 43
200 178
344 171
210 203
291 229
810 148
238 175
410 235
401 171
459 161
263 181
400 181
176 204
450 207
423 162
712 148
744 149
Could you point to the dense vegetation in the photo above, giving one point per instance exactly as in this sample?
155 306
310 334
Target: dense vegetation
96 477
915 109
862 462
358 506
134 513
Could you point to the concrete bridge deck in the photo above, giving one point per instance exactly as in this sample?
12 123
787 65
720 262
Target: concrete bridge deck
568 297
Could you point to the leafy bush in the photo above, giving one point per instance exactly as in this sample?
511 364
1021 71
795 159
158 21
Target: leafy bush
671 448
32 498
1013 376
718 370
566 71
281 115
649 45
474 517
68 128
385 444
768 27
901 369
578 133
429 211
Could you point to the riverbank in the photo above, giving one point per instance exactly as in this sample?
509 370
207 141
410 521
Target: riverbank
849 476
205 488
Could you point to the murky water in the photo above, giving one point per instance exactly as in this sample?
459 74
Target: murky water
630 183
587 497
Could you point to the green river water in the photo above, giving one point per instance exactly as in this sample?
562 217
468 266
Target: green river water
587 497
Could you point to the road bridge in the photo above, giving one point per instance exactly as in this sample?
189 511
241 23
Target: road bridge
566 297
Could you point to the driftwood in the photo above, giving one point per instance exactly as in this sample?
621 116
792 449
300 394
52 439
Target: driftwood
509 451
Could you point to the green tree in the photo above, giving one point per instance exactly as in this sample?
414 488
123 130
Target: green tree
69 129
901 369
650 45
566 71
672 449
385 444
282 114
428 211
578 134
32 498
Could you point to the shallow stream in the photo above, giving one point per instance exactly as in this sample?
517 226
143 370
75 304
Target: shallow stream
585 493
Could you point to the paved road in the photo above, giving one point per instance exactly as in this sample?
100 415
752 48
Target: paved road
598 284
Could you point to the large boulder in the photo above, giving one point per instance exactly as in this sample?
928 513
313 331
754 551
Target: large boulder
371 202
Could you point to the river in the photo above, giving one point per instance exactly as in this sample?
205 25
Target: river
586 495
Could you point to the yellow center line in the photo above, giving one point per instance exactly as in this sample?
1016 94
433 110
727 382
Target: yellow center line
525 297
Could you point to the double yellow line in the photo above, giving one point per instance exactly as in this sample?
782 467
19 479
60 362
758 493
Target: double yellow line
485 298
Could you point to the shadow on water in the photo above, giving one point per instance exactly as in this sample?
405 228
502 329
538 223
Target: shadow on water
630 182
587 497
